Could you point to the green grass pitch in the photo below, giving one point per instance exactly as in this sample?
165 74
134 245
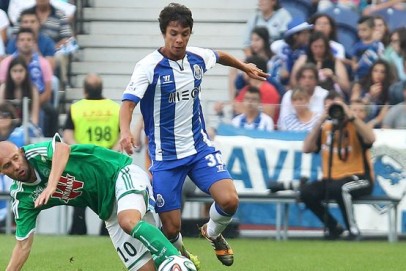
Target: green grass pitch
67 253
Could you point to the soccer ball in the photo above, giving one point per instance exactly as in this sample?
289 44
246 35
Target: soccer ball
177 263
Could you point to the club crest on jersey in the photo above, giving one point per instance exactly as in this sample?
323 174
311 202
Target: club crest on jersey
68 188
160 202
197 72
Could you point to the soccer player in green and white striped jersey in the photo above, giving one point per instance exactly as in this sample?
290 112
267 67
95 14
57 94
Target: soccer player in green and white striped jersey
53 173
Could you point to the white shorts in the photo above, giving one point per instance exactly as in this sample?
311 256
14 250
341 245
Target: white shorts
132 181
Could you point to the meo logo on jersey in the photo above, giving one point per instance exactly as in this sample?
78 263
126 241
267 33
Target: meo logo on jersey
67 188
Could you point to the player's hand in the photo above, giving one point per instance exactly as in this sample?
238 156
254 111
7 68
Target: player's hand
127 143
254 72
44 197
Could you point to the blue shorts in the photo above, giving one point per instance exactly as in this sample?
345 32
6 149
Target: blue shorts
204 169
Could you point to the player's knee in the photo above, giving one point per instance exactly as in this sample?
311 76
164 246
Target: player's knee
127 221
171 230
230 203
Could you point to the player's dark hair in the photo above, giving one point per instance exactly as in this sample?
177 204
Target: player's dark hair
175 12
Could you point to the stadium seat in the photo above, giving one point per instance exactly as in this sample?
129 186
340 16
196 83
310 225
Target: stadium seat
395 18
344 16
346 35
297 8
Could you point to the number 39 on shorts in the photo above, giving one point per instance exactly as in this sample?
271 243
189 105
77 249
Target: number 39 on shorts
214 159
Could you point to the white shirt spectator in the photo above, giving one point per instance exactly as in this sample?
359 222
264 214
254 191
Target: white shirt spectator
261 122
316 103
276 25
292 123
16 6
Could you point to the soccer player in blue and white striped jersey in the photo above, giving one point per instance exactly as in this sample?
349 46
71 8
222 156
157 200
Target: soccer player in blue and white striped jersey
167 84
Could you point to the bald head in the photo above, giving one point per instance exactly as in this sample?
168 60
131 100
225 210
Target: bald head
6 148
93 86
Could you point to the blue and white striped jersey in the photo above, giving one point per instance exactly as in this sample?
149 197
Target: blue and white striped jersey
169 96
262 122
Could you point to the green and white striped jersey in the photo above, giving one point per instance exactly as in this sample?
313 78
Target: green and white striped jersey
87 181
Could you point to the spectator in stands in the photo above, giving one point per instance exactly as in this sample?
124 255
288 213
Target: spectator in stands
10 128
350 173
8 120
271 15
55 24
288 50
332 72
373 89
307 79
260 47
45 45
396 116
393 53
17 86
367 50
380 5
40 74
92 120
5 183
16 6
327 25
302 119
270 97
4 24
359 109
381 30
326 4
252 117
396 92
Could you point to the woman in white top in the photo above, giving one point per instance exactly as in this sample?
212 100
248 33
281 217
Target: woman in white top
303 119
327 25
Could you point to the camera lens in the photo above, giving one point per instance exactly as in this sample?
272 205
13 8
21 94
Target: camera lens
336 112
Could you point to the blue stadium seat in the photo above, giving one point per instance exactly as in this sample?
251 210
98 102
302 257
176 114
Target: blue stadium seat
347 36
395 18
300 9
344 16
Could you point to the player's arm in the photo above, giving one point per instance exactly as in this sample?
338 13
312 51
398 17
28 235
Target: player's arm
250 69
127 141
59 161
20 253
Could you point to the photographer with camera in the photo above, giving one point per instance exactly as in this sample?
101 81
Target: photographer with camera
346 165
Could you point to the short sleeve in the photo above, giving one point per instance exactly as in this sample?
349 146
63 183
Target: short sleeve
138 84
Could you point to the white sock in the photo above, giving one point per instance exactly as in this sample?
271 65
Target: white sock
178 241
217 222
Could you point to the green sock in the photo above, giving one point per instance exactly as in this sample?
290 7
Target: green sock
155 241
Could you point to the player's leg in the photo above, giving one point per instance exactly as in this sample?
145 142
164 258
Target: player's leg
211 176
131 251
132 204
168 194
